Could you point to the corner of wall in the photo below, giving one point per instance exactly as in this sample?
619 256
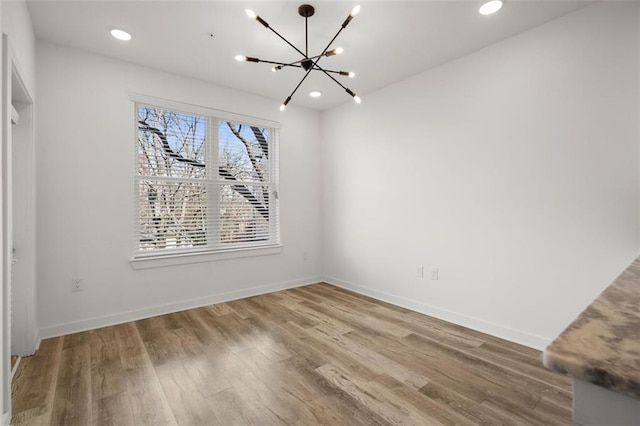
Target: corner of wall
458 318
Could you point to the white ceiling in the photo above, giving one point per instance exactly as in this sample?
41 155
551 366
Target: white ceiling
386 42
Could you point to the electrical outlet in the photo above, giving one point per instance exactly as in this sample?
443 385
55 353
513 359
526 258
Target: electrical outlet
419 271
77 284
434 274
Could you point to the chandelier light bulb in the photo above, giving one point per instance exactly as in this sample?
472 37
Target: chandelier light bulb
339 50
352 74
315 94
274 69
357 99
250 13
284 104
490 7
240 58
355 11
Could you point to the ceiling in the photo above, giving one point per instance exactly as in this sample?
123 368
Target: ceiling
386 42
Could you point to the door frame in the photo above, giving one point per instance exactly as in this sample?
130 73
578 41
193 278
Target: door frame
10 74
5 164
24 337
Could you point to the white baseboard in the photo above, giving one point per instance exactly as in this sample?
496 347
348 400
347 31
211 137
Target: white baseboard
14 369
500 331
38 341
104 321
517 336
35 339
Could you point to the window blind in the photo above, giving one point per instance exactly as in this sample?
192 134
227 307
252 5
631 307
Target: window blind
203 183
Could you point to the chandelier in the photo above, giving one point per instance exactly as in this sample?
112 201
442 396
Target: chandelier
307 63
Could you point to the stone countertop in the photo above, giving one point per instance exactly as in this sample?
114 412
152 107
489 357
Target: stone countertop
602 346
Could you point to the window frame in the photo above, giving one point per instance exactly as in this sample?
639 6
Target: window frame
153 258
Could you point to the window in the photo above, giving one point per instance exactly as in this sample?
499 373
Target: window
203 183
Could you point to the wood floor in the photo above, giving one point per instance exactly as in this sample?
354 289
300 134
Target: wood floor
306 356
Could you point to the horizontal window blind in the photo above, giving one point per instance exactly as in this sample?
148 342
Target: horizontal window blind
203 183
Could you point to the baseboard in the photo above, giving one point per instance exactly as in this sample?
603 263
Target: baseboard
36 339
507 333
105 321
517 336
14 369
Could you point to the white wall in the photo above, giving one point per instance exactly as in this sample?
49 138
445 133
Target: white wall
514 170
85 145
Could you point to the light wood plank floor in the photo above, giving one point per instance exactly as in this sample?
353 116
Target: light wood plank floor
306 356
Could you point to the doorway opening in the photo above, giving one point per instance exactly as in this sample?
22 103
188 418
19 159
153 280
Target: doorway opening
17 254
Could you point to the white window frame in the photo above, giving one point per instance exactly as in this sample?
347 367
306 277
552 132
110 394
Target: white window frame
152 259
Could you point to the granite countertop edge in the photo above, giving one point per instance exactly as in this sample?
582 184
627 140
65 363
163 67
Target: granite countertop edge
594 375
602 345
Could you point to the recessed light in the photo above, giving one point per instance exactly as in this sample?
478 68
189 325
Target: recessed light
315 94
490 7
120 34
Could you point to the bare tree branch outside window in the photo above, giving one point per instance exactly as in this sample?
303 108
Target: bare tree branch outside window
182 201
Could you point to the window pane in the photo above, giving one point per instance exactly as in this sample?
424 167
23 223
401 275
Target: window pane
243 151
172 215
171 144
201 192
244 213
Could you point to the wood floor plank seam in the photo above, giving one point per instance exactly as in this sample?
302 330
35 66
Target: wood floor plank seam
312 355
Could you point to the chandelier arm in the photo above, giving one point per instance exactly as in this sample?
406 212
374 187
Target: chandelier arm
299 84
297 62
293 64
316 68
325 51
329 45
274 62
319 68
287 41
344 25
332 77
302 60
314 65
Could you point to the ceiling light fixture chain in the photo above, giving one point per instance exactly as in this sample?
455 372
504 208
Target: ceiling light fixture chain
307 63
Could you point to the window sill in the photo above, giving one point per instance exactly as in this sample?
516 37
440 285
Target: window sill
210 256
